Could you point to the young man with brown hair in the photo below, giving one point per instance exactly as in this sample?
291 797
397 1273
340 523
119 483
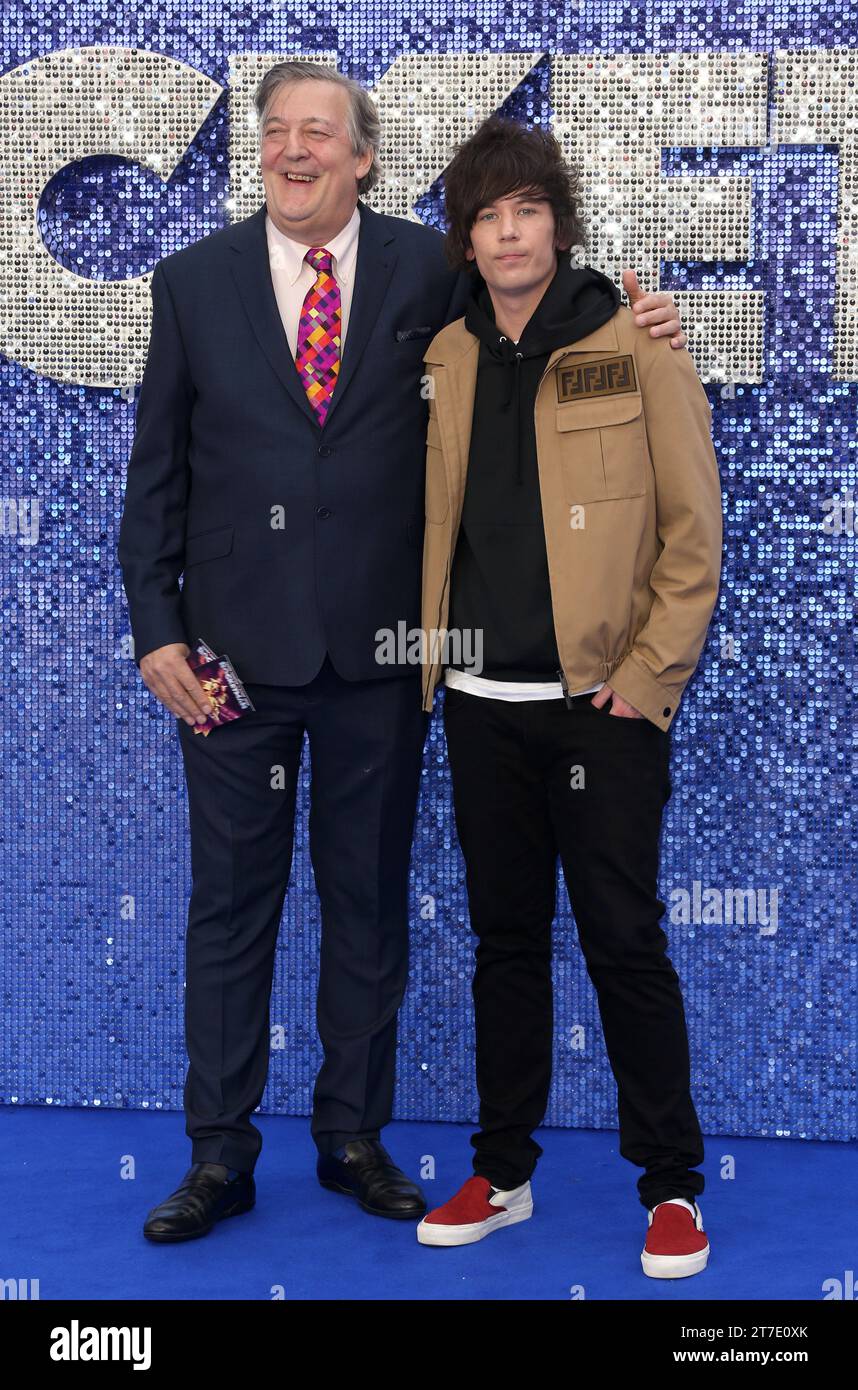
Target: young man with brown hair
574 519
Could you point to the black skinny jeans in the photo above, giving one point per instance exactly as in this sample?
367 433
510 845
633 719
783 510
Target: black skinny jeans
512 766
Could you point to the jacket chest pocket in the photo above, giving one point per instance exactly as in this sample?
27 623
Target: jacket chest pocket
437 499
602 446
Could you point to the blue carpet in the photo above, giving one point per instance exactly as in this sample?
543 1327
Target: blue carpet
779 1230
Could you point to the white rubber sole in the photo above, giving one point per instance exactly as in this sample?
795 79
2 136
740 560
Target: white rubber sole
432 1233
674 1266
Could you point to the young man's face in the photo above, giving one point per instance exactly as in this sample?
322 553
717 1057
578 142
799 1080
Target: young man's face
512 241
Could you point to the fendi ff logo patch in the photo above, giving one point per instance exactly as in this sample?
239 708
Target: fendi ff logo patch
604 376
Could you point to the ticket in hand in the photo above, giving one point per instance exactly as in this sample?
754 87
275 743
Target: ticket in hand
221 685
200 653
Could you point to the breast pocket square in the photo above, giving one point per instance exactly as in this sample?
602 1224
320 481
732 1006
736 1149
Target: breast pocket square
406 335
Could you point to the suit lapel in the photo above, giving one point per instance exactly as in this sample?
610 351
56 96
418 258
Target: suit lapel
252 273
374 266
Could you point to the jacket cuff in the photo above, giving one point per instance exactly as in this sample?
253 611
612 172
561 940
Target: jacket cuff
154 635
636 683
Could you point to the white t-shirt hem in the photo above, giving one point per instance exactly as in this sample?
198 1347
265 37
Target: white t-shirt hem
510 690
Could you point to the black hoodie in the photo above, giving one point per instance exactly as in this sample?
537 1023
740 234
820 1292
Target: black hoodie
500 569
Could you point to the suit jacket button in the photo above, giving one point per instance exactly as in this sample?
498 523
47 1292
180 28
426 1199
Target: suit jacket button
323 513
666 711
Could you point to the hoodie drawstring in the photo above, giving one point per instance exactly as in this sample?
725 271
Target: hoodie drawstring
518 473
514 382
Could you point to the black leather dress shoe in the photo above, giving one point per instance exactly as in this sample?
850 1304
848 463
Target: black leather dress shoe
368 1173
203 1197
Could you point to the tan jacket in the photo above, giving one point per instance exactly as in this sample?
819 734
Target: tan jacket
631 502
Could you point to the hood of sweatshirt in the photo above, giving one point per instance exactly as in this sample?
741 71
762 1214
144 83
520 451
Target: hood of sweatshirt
578 300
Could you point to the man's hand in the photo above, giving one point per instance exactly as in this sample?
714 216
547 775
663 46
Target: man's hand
619 706
656 309
171 680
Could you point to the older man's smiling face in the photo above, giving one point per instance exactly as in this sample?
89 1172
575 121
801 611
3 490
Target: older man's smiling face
309 170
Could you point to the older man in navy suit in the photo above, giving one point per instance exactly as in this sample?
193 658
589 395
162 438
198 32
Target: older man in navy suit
278 464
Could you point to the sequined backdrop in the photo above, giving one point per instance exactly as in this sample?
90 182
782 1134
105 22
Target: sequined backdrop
719 150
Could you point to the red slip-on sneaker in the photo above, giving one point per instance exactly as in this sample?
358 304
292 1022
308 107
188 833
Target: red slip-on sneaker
676 1243
476 1210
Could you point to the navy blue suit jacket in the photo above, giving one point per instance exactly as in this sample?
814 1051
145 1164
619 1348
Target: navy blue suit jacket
225 438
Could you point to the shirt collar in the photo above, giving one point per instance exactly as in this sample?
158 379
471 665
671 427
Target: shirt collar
289 254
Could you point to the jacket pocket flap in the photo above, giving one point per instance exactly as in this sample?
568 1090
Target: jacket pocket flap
594 415
208 545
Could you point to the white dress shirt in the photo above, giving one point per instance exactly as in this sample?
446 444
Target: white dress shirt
292 276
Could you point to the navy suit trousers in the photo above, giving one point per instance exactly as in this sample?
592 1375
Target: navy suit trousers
365 742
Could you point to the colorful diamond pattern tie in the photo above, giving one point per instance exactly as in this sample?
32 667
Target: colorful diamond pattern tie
317 355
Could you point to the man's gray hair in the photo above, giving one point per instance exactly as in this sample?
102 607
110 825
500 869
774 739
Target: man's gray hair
362 121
